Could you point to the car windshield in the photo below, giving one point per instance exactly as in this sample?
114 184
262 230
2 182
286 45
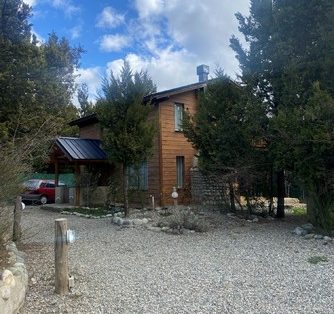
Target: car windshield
31 184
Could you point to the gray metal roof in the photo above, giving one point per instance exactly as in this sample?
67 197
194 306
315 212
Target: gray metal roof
81 149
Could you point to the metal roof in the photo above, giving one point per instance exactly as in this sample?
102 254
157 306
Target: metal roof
174 91
81 149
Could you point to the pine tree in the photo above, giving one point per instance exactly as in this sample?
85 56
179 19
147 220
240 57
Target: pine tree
127 133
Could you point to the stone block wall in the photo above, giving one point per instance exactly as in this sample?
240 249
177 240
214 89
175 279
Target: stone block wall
208 190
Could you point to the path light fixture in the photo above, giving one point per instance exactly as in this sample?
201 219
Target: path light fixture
175 195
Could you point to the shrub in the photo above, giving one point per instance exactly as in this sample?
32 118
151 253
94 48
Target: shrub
184 219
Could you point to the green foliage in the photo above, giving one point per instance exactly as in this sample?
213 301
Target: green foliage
127 133
86 106
88 211
317 259
227 130
289 66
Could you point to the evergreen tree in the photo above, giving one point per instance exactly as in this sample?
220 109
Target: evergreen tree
127 133
86 106
291 48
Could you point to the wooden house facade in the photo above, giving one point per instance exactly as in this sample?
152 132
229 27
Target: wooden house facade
172 155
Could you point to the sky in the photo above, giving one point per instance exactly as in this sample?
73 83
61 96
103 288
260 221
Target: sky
167 38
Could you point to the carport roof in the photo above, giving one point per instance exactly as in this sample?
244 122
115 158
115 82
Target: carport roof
81 149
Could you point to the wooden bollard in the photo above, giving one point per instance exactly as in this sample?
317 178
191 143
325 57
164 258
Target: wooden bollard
61 257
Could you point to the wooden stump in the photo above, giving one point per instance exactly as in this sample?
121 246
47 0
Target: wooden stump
61 257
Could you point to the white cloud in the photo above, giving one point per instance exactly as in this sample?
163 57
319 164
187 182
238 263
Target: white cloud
67 6
109 18
30 2
92 77
39 38
200 27
76 31
168 69
115 42
147 8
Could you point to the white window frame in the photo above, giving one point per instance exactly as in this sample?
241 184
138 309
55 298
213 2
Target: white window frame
180 171
178 116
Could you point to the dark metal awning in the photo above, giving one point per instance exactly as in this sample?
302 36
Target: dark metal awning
78 149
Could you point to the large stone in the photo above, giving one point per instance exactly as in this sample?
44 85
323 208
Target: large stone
8 278
318 237
327 238
309 236
309 227
300 231
5 293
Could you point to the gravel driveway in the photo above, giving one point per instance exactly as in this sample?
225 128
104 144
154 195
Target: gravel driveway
239 267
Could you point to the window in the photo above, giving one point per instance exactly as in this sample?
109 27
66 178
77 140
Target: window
178 116
179 171
138 177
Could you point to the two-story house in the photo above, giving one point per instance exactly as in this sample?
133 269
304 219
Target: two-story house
172 156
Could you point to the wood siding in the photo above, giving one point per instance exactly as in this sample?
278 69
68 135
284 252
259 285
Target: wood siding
154 161
173 144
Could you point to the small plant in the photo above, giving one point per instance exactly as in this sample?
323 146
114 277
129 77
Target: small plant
317 259
184 219
299 211
88 211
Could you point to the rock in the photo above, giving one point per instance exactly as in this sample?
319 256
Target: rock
309 236
8 278
5 292
126 222
137 222
309 227
255 219
33 280
144 220
318 236
327 238
165 228
300 231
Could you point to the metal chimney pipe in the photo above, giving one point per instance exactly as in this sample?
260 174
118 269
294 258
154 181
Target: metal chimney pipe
203 73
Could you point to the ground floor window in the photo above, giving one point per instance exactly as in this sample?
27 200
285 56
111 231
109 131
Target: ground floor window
138 176
180 171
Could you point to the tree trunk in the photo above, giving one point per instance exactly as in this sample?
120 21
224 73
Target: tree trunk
232 197
280 193
271 194
17 229
125 191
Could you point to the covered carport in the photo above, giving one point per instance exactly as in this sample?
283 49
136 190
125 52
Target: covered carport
78 153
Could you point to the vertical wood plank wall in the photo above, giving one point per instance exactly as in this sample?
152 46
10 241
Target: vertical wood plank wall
175 144
154 161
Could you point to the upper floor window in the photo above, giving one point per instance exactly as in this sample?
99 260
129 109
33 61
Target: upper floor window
178 116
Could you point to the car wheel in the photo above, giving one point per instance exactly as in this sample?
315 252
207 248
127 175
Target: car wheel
43 199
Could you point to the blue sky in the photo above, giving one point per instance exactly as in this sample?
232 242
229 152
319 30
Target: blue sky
168 38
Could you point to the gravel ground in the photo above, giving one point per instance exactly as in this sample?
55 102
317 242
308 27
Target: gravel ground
239 267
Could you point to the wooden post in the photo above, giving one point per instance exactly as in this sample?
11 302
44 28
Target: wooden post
61 257
56 172
17 229
77 184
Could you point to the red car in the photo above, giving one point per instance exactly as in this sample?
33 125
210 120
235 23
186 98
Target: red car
39 190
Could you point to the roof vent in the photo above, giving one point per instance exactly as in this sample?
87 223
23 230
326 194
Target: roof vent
203 72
